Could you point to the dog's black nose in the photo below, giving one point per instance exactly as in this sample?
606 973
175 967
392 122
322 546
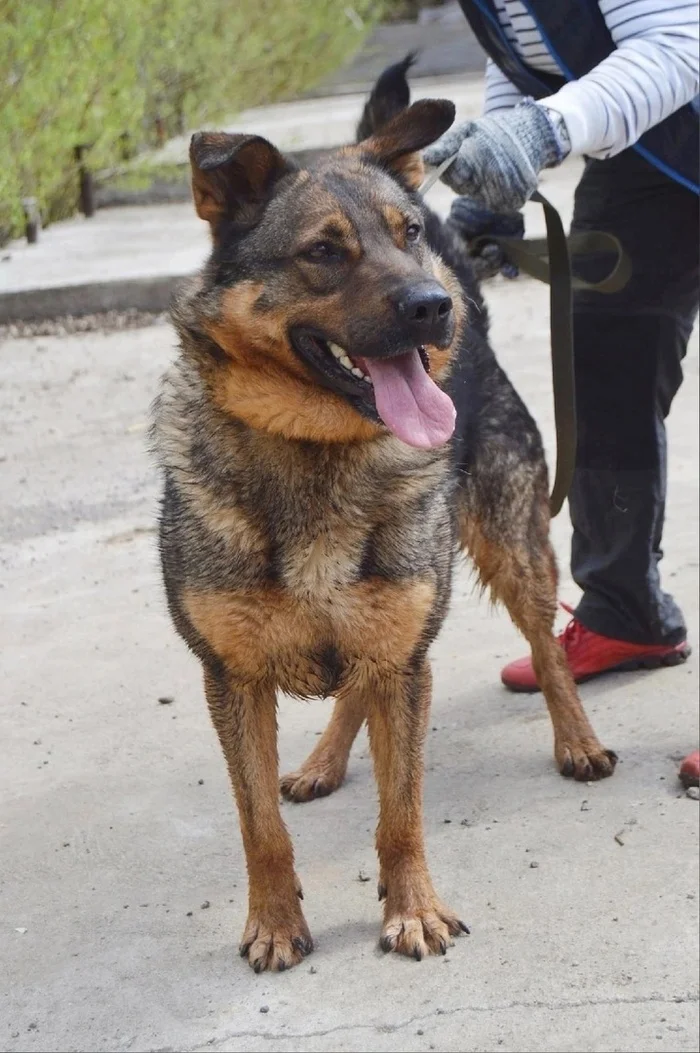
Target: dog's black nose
427 309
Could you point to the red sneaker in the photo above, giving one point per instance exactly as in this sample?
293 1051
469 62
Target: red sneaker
689 773
589 654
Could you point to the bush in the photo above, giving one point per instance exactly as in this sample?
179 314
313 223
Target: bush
121 75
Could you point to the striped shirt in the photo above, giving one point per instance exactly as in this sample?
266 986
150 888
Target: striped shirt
652 73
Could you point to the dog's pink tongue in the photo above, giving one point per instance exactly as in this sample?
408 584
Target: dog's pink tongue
410 404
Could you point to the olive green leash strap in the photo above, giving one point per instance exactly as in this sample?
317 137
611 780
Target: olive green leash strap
549 260
562 344
531 255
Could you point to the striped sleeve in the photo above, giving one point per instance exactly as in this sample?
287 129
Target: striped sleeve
652 73
500 94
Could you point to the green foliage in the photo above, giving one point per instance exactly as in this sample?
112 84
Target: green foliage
122 74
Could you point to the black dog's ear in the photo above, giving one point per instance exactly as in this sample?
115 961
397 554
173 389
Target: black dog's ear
396 145
233 175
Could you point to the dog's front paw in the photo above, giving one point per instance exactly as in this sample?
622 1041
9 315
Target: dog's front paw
419 925
275 942
585 761
421 932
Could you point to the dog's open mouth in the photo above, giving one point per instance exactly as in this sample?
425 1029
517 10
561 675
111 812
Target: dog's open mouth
397 390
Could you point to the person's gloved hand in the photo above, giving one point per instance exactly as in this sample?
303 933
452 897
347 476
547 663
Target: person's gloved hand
500 157
473 221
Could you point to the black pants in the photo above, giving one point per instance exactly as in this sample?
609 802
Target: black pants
628 352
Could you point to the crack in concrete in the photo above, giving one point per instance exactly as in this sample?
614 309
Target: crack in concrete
281 1036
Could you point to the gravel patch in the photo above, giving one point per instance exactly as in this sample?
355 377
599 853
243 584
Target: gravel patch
107 322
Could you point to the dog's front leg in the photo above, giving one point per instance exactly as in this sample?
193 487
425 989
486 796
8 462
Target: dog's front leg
415 921
276 935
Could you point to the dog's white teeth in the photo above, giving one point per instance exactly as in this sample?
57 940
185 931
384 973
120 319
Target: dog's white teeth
342 358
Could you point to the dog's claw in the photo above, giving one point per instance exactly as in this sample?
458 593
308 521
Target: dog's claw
381 891
302 945
465 928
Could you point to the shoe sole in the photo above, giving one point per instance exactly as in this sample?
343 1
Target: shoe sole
652 661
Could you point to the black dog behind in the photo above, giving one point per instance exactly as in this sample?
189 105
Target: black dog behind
316 496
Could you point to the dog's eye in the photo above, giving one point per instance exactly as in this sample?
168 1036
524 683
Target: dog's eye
320 250
413 232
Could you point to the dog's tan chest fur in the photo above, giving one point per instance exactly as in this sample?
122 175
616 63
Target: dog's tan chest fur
272 633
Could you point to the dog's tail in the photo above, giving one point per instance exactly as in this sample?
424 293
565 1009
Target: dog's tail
390 95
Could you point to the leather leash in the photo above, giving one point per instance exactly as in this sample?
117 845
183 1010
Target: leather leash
548 260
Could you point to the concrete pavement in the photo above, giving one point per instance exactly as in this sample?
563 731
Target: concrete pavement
121 258
122 882
440 39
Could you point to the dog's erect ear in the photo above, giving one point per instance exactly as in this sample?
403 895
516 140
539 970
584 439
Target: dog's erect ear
232 175
396 145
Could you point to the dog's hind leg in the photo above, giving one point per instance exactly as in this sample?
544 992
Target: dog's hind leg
515 559
324 769
245 717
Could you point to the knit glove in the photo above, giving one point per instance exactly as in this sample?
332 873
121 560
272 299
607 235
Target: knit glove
500 157
472 221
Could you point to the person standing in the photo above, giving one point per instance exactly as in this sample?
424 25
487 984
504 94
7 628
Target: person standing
614 81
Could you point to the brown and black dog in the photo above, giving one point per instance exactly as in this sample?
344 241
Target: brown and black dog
318 490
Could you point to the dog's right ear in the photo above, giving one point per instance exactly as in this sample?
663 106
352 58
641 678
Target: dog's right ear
233 175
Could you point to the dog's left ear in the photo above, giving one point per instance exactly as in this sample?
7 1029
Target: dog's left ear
396 146
233 175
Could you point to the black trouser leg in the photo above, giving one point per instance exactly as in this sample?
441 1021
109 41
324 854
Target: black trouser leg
628 352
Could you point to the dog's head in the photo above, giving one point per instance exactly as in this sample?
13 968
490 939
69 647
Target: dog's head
331 317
